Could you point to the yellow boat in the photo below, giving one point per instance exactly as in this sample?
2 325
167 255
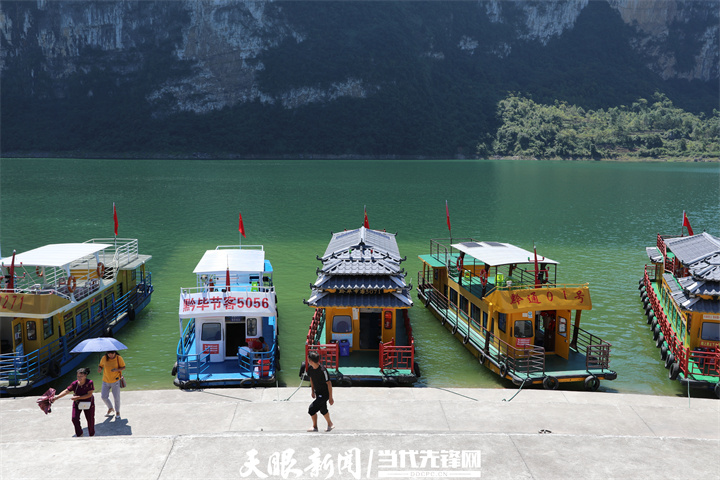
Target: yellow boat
55 296
360 326
505 305
680 292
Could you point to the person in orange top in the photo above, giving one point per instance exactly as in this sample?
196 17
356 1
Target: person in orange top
111 366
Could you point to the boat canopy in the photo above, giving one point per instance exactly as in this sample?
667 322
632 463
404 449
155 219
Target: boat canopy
56 255
240 260
496 253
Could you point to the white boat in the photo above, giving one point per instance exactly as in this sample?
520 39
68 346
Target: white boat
228 321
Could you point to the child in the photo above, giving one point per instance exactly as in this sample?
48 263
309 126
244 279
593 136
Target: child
321 390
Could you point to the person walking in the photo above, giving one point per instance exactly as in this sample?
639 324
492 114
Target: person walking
83 400
321 390
111 366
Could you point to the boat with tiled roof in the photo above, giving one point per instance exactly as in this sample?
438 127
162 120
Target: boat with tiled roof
504 303
680 290
360 326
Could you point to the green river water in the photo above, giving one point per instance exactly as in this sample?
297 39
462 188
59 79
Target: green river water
594 218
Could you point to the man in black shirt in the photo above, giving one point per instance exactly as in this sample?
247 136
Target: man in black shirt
321 389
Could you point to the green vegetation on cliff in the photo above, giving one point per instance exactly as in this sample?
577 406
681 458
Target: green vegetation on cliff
647 129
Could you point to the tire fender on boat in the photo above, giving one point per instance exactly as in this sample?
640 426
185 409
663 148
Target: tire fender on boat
592 383
504 371
660 340
302 370
108 332
455 327
173 372
663 352
466 339
650 317
550 383
131 312
717 389
674 371
416 369
669 360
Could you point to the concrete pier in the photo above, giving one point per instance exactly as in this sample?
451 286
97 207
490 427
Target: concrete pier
379 433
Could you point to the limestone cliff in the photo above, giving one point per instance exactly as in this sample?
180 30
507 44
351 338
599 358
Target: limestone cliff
221 44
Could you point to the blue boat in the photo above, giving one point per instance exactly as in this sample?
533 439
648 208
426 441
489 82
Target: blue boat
54 297
228 322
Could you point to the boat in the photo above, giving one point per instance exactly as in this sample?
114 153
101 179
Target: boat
360 325
506 307
680 291
228 322
55 296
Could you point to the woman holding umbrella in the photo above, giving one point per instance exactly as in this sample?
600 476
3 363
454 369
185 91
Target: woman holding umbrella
83 400
111 366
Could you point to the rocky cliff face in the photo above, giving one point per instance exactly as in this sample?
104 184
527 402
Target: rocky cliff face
220 45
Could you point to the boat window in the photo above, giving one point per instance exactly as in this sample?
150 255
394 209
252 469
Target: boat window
251 327
463 304
68 319
31 330
710 332
211 332
47 327
523 329
485 317
341 324
18 333
453 297
502 322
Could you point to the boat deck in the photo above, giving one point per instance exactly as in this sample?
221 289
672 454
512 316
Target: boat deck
363 366
225 373
695 371
572 368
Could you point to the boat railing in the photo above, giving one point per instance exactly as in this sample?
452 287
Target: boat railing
316 326
256 364
441 248
705 362
596 350
192 366
398 357
205 289
121 251
675 345
518 361
329 354
47 360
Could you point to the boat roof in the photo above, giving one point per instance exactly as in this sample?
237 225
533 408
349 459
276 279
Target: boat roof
359 300
56 255
497 253
375 240
689 250
360 282
700 253
693 304
240 260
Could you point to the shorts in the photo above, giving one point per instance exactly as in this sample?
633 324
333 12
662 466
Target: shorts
318 405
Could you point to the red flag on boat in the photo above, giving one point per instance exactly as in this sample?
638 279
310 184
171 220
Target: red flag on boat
227 279
115 219
11 282
366 224
241 227
447 214
686 223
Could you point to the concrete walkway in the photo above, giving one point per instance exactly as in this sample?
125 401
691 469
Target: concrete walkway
380 433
